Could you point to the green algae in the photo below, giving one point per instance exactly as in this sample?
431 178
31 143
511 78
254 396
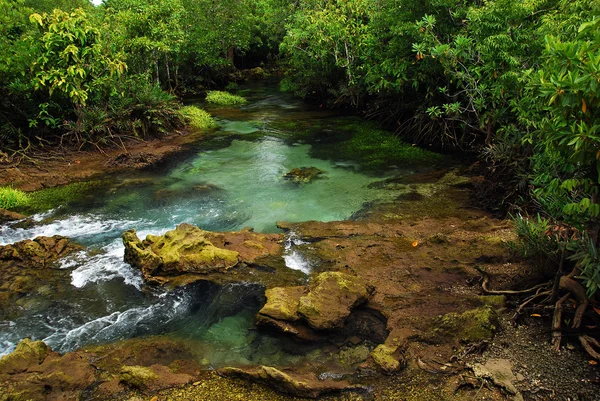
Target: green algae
471 326
50 198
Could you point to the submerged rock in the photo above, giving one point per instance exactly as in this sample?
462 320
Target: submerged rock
189 254
293 383
29 269
303 174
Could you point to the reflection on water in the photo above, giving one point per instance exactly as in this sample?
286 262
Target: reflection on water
232 180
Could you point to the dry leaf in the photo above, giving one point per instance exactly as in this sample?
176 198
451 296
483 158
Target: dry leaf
592 362
535 315
583 106
415 243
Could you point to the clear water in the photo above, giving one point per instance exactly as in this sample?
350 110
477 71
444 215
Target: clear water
232 180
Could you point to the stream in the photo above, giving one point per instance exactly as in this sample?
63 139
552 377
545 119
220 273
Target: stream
231 180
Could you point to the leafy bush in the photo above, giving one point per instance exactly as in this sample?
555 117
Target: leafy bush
11 198
197 118
224 98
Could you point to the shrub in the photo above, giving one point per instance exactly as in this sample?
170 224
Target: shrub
11 198
224 98
197 118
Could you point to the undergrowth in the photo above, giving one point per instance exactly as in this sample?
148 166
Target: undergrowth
11 198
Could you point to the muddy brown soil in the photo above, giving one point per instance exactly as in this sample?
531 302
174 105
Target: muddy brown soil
45 169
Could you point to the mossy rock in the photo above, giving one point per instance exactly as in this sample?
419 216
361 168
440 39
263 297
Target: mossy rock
27 353
303 175
184 249
331 299
384 357
471 326
283 302
137 376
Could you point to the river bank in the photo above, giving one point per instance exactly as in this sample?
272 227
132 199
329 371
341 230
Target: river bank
397 251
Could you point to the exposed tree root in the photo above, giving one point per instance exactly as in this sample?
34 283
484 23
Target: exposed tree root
556 323
486 290
590 345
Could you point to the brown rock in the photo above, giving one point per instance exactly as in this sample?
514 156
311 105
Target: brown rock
289 382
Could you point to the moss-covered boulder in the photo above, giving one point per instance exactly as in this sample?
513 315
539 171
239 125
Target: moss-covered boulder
303 175
136 376
471 326
188 254
185 249
27 353
283 302
331 298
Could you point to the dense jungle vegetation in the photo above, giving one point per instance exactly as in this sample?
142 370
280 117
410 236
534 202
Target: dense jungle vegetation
515 82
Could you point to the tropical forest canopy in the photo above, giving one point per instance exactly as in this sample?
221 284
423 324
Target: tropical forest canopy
515 82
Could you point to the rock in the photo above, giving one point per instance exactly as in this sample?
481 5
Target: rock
7 216
386 359
27 353
331 298
28 271
185 249
136 376
34 372
499 371
471 326
303 174
293 383
283 302
188 254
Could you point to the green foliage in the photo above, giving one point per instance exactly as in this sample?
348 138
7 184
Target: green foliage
71 62
197 118
224 98
534 237
586 256
11 198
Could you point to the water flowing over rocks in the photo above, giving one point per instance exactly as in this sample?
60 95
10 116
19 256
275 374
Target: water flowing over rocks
303 175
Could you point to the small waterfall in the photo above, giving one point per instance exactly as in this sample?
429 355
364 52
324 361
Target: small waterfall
292 256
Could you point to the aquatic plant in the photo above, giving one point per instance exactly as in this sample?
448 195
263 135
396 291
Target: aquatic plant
11 198
197 118
50 198
224 98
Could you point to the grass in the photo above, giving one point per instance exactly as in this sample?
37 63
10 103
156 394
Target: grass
11 198
224 98
197 118
50 198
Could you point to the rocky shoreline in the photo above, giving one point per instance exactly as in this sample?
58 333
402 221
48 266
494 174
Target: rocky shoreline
394 297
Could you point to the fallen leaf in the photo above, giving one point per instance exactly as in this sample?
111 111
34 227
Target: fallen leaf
597 310
535 315
415 243
592 362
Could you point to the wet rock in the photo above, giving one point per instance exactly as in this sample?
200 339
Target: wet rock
188 254
331 298
293 383
303 175
7 216
136 376
28 269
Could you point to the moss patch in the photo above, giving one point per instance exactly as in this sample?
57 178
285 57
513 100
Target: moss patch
471 326
197 118
224 98
136 376
51 198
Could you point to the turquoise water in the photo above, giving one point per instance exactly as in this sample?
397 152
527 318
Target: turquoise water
232 179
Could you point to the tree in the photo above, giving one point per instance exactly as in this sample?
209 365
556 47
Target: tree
71 63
